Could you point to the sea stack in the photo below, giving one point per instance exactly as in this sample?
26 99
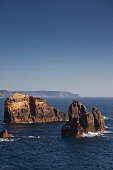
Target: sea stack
20 108
81 121
5 134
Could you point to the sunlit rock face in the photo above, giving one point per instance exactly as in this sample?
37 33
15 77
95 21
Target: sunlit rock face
81 121
19 108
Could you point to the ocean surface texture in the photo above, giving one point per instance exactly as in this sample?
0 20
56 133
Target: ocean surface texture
41 147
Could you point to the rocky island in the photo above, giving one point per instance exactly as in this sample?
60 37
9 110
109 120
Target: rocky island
81 121
20 108
5 134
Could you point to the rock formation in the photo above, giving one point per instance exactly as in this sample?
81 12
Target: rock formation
5 134
19 108
81 121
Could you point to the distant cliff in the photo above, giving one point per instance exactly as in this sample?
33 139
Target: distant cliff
4 93
43 94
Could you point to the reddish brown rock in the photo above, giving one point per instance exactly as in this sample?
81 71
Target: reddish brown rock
19 108
81 121
98 119
5 134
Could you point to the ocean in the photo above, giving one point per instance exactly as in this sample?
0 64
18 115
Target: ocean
41 147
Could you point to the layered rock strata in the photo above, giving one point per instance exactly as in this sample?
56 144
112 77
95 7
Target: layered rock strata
81 121
5 134
19 108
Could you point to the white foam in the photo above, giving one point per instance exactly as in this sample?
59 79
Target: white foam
6 140
107 118
38 136
106 127
92 134
107 132
31 136
34 136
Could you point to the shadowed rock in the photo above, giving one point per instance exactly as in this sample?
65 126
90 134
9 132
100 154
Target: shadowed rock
5 134
19 108
81 121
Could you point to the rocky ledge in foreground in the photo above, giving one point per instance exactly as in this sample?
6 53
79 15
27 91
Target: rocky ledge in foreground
5 134
81 121
19 108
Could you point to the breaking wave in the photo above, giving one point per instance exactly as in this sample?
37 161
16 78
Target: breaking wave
107 118
92 134
9 139
15 138
34 136
108 132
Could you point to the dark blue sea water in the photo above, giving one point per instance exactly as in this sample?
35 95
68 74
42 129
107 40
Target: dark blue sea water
41 147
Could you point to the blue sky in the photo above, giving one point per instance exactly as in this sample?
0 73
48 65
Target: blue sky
57 45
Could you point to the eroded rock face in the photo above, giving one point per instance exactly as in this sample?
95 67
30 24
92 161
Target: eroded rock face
19 108
5 134
81 121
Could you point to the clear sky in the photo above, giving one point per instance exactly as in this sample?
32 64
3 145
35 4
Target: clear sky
62 45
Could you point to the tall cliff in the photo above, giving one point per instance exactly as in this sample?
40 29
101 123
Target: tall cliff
19 108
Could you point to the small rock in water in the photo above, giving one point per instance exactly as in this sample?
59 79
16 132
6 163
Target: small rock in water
5 134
